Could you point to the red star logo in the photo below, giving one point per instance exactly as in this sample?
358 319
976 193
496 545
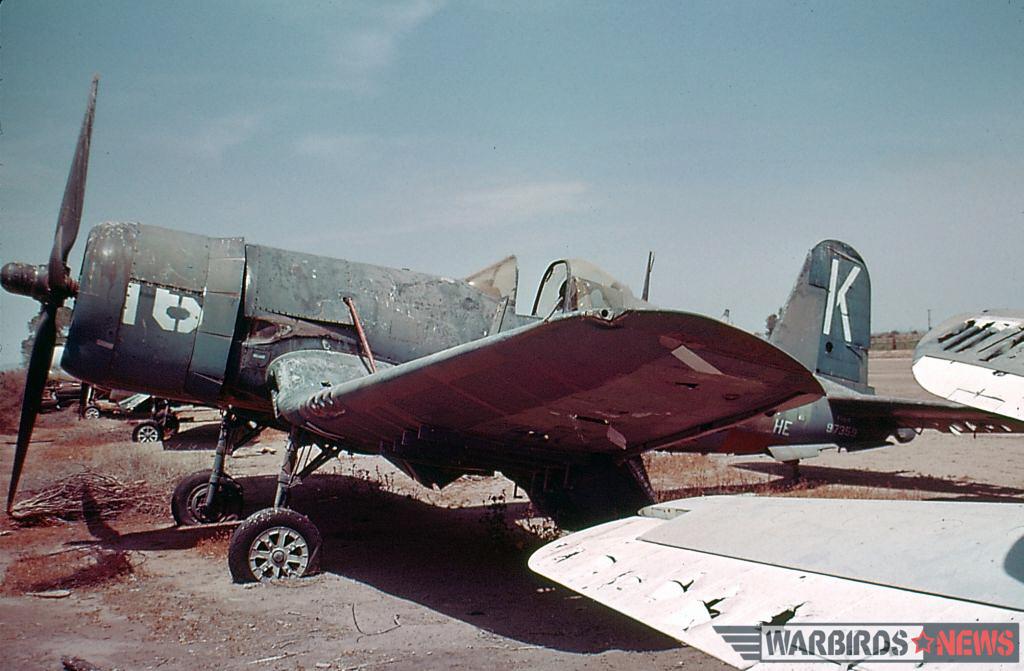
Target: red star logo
923 642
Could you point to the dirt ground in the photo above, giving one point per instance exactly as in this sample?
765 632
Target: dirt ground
412 578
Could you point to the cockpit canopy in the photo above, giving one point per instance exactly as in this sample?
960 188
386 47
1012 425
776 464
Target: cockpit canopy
575 284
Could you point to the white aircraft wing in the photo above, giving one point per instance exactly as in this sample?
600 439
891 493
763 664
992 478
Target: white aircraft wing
976 360
710 571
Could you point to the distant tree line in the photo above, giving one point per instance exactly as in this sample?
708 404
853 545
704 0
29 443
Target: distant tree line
63 321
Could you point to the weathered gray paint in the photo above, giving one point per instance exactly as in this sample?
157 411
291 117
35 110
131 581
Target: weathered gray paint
106 268
221 305
405 314
111 348
801 328
582 382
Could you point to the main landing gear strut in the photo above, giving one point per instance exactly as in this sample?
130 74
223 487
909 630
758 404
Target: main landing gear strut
279 542
273 543
211 496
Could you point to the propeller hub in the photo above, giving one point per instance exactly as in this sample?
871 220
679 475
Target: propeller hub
26 279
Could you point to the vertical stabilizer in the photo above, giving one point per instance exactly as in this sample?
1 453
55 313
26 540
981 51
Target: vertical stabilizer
826 324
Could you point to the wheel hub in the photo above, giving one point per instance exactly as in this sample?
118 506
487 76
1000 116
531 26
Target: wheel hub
197 504
149 434
279 552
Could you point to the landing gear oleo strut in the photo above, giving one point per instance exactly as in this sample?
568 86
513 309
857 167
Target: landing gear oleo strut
278 542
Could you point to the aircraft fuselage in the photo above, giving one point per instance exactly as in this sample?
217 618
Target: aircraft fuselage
199 319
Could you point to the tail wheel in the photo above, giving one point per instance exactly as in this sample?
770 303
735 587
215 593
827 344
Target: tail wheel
189 500
274 544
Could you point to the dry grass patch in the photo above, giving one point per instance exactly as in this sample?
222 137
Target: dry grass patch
812 490
697 474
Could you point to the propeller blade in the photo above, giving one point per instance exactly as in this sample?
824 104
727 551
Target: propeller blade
35 382
74 194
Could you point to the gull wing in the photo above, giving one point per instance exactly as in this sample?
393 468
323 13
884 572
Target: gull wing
615 382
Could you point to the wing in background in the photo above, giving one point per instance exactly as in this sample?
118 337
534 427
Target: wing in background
938 415
976 360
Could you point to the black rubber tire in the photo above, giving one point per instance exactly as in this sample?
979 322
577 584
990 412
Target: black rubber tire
249 532
142 431
191 493
91 412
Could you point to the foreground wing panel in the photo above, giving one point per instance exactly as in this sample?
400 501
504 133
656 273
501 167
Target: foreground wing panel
627 382
721 562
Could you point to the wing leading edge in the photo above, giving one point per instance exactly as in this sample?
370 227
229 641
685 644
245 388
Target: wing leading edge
617 383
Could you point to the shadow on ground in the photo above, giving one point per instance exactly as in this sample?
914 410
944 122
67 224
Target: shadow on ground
462 562
194 437
810 475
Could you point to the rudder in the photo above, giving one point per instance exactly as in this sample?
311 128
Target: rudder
826 323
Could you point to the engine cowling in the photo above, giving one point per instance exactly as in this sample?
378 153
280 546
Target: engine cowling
156 311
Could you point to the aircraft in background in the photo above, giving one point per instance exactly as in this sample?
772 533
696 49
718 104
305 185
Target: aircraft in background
734 575
975 359
826 325
441 377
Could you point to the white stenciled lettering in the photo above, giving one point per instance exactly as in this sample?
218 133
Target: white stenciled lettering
131 304
781 426
837 298
174 312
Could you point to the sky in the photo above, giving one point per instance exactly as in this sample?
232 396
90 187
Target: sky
728 137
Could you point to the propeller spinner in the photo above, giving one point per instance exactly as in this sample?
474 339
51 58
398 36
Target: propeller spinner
51 284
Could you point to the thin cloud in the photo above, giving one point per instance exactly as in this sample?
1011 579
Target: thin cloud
523 201
493 207
209 139
219 135
337 146
433 211
365 52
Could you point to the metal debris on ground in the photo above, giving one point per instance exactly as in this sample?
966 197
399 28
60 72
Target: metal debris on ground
77 664
52 594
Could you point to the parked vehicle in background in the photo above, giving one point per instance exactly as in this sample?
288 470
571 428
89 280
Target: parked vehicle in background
158 420
60 394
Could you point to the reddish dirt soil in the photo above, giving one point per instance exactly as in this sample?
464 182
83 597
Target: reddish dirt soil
413 578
